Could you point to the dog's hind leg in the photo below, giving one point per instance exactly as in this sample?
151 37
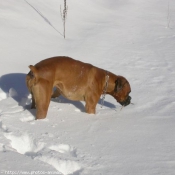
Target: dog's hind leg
33 102
42 93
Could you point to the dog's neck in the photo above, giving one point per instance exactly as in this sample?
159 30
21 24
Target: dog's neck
110 79
105 88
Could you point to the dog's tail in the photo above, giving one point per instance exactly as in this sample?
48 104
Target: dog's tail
33 73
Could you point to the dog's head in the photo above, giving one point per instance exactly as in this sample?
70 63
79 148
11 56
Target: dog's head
121 91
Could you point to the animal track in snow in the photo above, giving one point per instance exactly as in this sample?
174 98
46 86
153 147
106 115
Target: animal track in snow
12 110
77 110
12 92
2 147
3 95
48 134
24 143
29 118
3 127
64 148
64 166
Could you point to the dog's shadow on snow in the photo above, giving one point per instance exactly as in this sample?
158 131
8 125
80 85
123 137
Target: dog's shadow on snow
79 104
14 86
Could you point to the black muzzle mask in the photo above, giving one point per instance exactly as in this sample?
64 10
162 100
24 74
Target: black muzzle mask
126 102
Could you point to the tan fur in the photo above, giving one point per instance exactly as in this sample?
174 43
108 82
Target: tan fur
74 80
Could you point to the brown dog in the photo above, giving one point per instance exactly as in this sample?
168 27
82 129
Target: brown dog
74 80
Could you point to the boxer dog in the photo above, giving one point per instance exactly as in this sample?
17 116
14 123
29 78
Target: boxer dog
74 80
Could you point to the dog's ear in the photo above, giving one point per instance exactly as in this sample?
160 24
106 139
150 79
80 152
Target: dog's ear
118 84
33 69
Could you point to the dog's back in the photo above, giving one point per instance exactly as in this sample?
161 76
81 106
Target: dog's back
55 68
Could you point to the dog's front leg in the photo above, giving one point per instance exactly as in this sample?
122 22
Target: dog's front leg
91 102
90 109
42 93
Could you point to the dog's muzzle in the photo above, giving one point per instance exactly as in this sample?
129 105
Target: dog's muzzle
126 102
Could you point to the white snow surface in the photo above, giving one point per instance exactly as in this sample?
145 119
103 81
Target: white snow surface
132 38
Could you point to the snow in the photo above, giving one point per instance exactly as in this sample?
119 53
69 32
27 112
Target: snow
132 38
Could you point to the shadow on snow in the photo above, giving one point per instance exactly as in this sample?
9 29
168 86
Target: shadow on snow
14 86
